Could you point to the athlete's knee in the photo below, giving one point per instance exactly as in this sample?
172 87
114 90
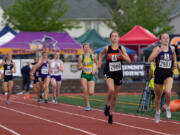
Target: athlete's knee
91 93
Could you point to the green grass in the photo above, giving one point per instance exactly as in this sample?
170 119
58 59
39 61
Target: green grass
125 103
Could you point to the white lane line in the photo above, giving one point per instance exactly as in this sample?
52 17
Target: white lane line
10 130
93 118
47 120
130 115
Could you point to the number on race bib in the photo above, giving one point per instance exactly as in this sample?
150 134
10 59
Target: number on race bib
165 64
8 72
114 66
56 72
86 69
44 71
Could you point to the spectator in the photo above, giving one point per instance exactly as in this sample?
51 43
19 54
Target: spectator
25 71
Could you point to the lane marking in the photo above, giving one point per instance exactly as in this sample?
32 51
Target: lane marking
93 118
47 120
10 130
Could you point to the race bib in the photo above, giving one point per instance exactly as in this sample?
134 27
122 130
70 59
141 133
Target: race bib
165 64
87 70
114 66
44 71
8 72
56 72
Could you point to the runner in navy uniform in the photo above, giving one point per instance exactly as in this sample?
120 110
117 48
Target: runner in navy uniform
9 69
165 59
43 76
113 71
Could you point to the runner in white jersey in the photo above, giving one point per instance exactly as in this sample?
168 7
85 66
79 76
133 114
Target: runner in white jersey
57 69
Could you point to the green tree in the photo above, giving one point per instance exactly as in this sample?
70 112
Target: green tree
150 14
37 15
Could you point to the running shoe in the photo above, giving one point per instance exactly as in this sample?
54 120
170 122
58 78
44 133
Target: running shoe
54 101
157 117
46 101
39 101
168 113
106 110
88 108
6 93
7 102
110 119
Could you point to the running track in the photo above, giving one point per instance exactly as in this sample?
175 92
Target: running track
26 117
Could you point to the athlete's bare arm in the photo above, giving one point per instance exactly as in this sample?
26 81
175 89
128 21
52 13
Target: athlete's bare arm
61 68
2 63
96 61
125 55
154 53
174 57
101 55
49 66
14 67
80 65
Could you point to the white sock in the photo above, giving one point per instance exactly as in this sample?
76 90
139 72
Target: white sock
158 112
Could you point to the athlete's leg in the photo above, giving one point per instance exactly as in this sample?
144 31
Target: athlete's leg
54 85
46 88
5 88
168 86
85 90
158 93
91 87
10 86
114 97
110 85
58 88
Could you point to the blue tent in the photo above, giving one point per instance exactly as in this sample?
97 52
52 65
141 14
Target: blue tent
129 51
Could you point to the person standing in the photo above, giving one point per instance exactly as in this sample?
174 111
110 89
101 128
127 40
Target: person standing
86 64
25 71
113 72
165 59
9 69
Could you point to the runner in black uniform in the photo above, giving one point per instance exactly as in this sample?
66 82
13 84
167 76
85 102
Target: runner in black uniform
9 69
113 71
165 58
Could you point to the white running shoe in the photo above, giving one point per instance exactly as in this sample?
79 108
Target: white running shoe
53 100
168 113
157 117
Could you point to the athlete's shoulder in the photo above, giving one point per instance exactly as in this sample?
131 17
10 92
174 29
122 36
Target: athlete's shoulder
172 48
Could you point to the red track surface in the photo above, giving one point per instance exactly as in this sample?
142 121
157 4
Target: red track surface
26 117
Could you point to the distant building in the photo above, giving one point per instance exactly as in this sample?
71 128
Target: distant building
90 14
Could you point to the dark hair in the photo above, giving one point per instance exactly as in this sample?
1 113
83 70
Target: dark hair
43 53
112 33
160 36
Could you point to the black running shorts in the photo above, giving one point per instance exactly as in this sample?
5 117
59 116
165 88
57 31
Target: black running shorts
161 75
